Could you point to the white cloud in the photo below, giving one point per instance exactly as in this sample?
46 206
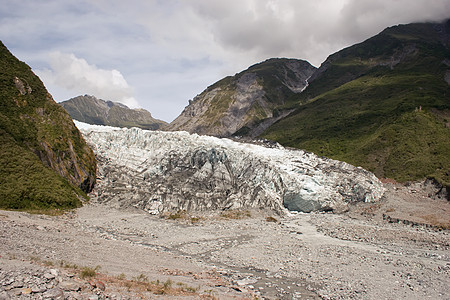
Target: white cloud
171 50
77 75
305 29
359 18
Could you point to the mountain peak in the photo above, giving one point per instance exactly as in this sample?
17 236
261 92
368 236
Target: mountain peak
92 110
242 101
381 104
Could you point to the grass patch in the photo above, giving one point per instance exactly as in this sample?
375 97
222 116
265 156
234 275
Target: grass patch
182 215
271 219
68 265
235 214
140 278
88 272
159 287
48 263
439 223
195 220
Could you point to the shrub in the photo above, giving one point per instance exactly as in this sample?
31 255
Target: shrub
88 272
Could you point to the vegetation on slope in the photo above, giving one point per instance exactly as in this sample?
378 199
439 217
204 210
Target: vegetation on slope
382 104
45 162
27 184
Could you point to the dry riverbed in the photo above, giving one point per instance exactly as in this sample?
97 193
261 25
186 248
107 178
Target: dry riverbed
395 249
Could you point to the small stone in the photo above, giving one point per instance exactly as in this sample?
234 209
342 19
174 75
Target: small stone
115 297
92 283
4 296
38 289
100 285
17 284
70 286
74 296
49 276
246 281
49 286
54 294
93 297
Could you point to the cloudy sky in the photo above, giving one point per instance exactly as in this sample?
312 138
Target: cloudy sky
158 54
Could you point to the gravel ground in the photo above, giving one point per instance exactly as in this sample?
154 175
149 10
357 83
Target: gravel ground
395 249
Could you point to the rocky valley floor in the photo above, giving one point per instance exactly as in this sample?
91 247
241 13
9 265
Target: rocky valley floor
395 249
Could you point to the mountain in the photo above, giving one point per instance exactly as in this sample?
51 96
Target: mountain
383 104
44 160
91 110
172 171
241 102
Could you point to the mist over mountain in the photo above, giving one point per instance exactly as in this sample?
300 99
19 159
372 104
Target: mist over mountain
92 110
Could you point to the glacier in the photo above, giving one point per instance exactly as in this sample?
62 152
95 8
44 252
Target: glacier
171 171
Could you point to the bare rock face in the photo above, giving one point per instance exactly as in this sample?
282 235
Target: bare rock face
91 110
170 171
245 101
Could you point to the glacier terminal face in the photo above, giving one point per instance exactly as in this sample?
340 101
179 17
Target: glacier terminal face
170 171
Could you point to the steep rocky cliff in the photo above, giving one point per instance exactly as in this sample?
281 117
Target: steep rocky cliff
91 110
39 144
242 102
170 171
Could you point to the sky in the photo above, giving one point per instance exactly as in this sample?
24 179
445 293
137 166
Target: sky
159 54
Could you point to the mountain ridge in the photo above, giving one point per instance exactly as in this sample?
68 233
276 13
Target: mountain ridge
362 105
382 104
242 101
92 110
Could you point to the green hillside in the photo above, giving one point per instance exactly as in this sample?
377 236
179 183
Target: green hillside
44 160
383 104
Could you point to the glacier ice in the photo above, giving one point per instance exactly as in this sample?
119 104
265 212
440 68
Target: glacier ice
169 171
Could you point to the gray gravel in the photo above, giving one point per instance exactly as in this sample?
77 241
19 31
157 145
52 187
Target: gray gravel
301 256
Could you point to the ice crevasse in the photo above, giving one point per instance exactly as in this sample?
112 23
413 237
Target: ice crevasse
168 171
